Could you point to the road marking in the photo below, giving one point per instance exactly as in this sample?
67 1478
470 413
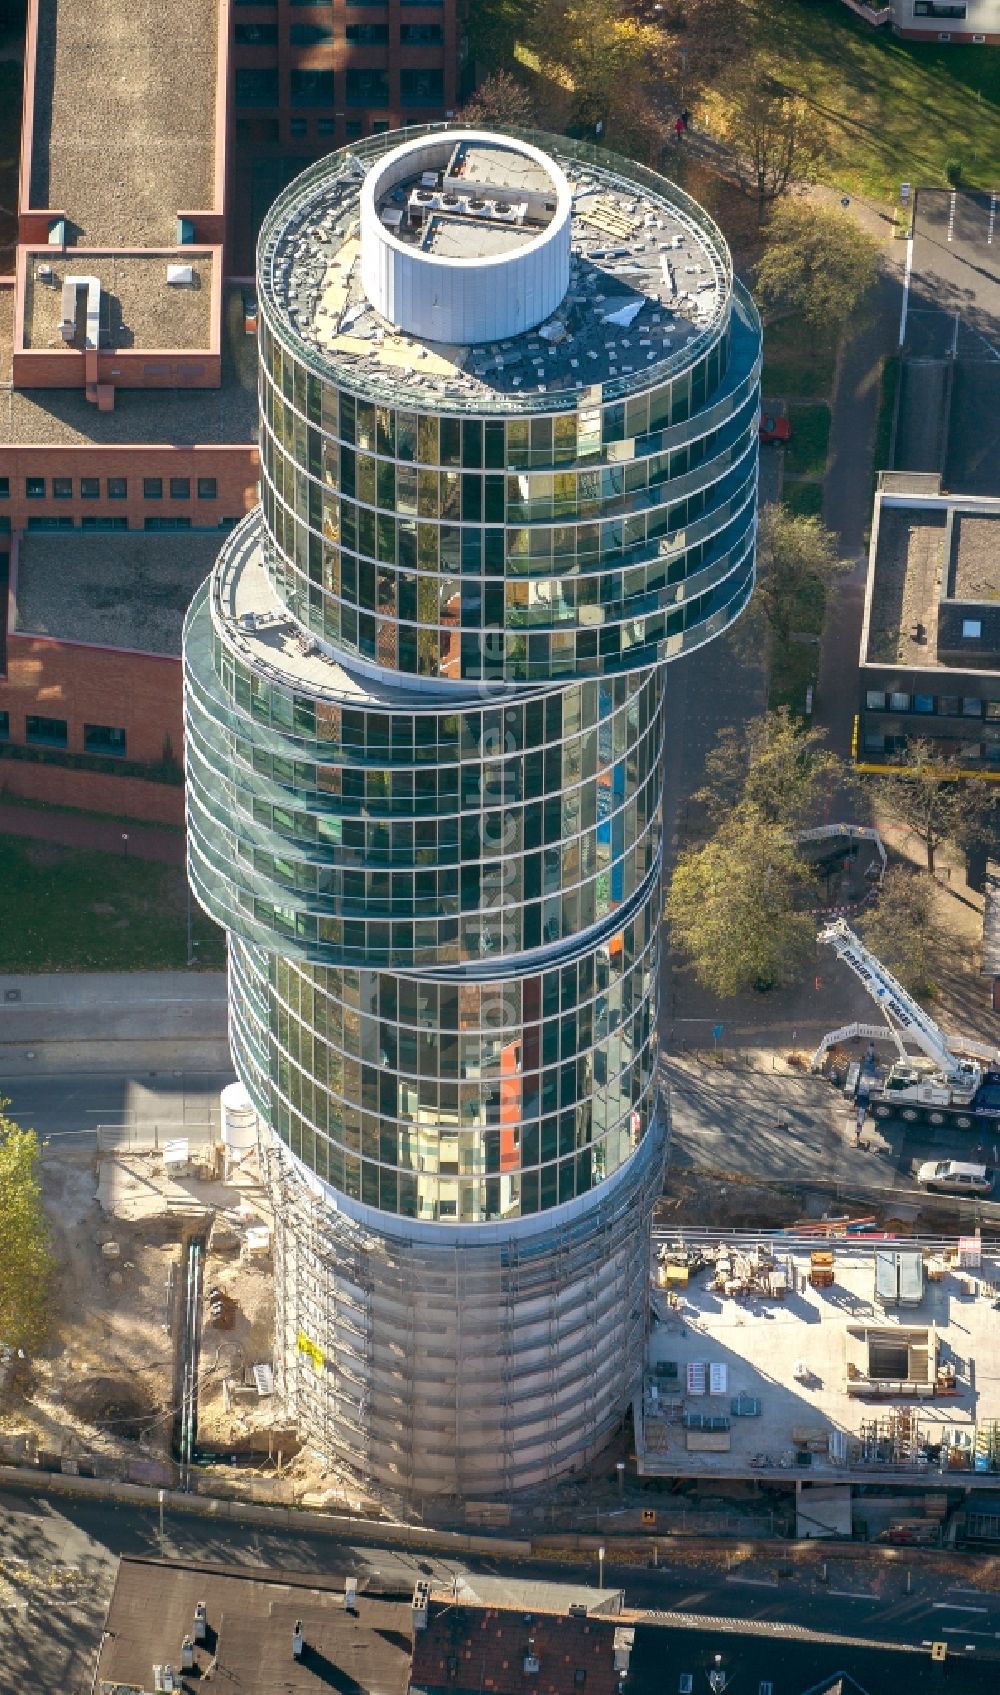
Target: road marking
852 1594
960 1630
755 1582
957 1607
993 213
906 291
951 213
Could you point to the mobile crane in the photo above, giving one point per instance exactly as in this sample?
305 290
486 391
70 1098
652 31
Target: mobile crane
958 1080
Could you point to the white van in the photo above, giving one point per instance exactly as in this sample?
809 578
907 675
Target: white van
951 1177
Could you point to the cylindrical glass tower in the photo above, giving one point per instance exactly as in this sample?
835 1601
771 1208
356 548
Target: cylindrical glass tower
509 403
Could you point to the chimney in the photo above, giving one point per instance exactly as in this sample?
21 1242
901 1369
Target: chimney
419 1606
624 1642
350 1594
187 1654
200 1622
298 1640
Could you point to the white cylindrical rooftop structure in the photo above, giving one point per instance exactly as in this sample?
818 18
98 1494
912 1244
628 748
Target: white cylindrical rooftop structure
239 1119
465 237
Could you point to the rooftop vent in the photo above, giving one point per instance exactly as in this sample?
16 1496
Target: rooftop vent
420 1605
200 1622
530 1662
298 1640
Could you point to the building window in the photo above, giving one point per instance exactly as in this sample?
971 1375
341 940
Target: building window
875 700
933 9
4 488
353 128
45 732
949 706
152 488
324 126
972 629
312 88
50 523
970 750
104 523
368 88
368 35
207 489
62 488
899 703
257 87
420 35
117 488
297 126
992 710
90 488
972 707
180 488
923 703
380 126
104 738
167 524
421 88
874 743
255 35
34 488
4 726
309 35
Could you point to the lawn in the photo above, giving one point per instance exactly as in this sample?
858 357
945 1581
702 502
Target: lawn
897 110
798 363
804 499
63 910
806 453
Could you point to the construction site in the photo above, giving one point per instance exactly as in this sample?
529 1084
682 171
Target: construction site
825 1358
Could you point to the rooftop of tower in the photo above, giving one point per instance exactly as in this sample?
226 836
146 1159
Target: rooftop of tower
649 275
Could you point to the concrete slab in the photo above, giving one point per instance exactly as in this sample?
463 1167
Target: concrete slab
794 1357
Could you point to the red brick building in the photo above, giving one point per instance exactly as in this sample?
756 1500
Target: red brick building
128 403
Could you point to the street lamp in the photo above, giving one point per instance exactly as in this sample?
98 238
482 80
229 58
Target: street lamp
620 1468
600 1568
125 840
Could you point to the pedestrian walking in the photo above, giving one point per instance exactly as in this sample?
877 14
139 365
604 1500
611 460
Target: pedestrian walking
679 129
686 120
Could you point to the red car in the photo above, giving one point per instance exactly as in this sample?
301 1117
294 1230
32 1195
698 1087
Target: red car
773 428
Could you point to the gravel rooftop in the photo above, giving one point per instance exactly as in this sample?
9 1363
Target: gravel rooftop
124 590
124 131
976 555
909 568
139 308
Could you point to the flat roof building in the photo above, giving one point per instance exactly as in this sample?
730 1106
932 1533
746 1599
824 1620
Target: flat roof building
930 640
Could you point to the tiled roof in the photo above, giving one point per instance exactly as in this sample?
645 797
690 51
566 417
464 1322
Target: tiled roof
493 1650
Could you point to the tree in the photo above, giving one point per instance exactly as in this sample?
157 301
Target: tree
775 764
734 907
818 264
776 138
26 1263
927 795
900 929
796 563
611 62
500 100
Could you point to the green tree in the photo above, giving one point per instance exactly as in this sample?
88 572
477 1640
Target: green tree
818 264
900 929
612 63
26 1263
927 795
500 100
776 138
776 764
797 562
735 907
493 29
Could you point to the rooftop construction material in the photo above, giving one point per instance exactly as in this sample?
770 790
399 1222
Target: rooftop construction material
877 1359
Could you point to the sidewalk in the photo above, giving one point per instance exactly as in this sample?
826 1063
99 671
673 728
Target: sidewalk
83 830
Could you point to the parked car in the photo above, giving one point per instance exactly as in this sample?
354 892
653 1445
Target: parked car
773 429
249 312
952 1177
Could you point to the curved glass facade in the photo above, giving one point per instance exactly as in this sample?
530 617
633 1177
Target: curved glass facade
425 734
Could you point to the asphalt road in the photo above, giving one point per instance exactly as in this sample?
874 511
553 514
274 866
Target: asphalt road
70 1105
58 1560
